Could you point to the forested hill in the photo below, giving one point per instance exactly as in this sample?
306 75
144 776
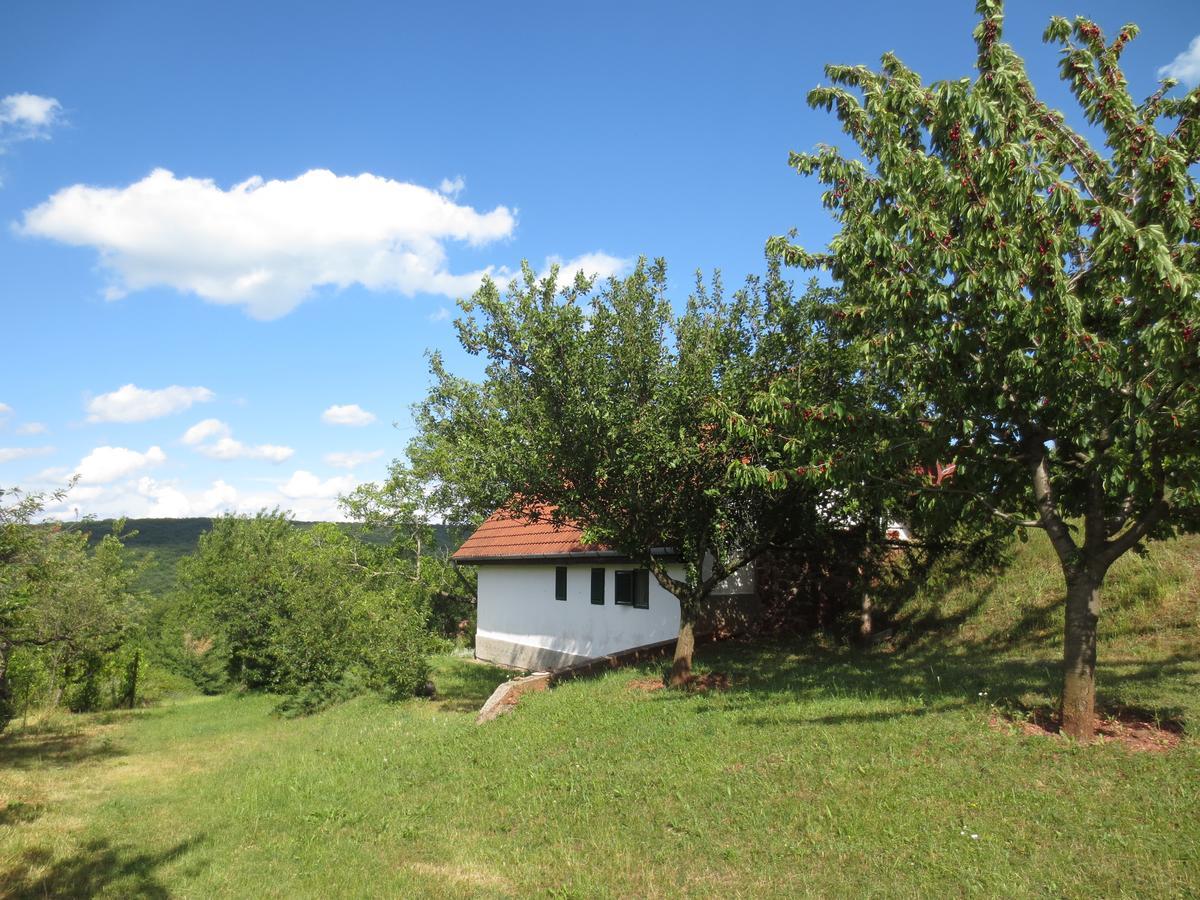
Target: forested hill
166 541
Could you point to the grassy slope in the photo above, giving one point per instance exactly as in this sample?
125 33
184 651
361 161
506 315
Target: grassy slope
1149 625
826 772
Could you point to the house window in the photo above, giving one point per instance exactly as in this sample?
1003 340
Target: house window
560 583
598 587
632 588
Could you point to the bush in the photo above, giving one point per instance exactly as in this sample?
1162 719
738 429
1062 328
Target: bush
315 615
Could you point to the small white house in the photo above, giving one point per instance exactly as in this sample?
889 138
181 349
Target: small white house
547 601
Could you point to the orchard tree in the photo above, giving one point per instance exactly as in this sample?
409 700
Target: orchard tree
1030 294
420 548
63 608
601 407
314 614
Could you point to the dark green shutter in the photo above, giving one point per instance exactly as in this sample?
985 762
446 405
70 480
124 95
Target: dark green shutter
598 587
560 582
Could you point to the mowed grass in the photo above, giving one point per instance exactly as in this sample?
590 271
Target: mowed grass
823 771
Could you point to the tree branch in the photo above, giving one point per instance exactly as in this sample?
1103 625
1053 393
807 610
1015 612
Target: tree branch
1043 497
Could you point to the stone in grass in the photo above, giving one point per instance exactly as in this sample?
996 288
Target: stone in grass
505 697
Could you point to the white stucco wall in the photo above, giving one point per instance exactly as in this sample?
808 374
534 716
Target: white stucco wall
517 605
740 582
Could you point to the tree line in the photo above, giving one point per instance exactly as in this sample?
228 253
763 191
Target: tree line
313 614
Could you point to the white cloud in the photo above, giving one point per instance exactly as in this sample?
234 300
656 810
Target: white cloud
228 448
441 314
267 245
169 502
8 454
601 265
24 117
350 459
348 414
147 497
105 464
307 486
29 110
307 496
452 187
220 497
5 410
203 430
32 428
1185 67
134 404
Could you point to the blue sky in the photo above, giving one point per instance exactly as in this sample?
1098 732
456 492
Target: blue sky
192 341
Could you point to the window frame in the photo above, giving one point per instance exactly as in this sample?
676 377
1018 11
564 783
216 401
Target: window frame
639 588
599 575
623 577
560 583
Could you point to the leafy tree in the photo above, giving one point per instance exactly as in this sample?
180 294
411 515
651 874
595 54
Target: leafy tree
603 407
314 614
1031 298
233 587
420 548
65 609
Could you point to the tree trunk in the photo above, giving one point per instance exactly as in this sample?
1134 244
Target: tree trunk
1079 657
6 698
685 646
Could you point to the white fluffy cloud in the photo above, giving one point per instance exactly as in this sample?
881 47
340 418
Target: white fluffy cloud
304 494
452 187
307 486
31 428
134 404
106 464
203 430
147 497
266 245
8 454
27 116
351 458
5 410
226 447
347 414
1185 67
602 265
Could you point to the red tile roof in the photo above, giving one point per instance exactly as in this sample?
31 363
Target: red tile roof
506 535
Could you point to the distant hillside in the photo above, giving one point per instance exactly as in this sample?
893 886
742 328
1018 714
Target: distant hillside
166 541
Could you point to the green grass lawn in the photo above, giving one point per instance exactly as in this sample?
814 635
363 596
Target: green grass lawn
823 771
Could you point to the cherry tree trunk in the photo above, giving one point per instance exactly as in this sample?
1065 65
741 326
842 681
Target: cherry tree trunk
6 698
685 646
866 621
1079 657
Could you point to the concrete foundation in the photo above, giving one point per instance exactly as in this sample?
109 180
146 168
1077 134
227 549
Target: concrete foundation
524 656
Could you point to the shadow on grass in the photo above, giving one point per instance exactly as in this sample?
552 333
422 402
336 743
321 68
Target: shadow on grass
917 683
20 813
96 866
463 685
26 749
